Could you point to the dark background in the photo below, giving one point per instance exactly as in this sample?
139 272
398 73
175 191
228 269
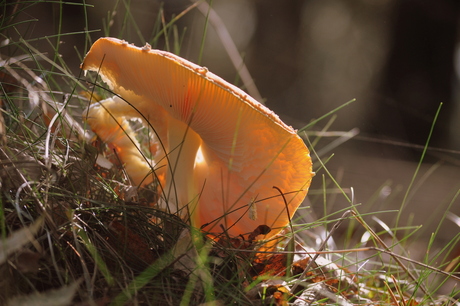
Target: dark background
397 58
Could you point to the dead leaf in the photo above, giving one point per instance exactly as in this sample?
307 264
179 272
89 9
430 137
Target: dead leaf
27 261
59 297
19 238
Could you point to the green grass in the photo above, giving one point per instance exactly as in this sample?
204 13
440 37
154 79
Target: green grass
76 232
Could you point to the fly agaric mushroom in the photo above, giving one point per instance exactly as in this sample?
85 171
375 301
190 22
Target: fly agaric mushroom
225 152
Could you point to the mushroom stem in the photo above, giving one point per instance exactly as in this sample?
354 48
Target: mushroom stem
180 189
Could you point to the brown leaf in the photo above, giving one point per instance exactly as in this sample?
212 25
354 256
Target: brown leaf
274 265
126 239
27 261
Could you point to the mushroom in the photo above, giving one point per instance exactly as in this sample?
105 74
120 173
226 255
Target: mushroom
224 151
117 132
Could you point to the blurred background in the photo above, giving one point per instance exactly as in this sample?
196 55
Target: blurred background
399 59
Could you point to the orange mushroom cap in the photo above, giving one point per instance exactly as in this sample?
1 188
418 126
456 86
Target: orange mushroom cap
225 150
